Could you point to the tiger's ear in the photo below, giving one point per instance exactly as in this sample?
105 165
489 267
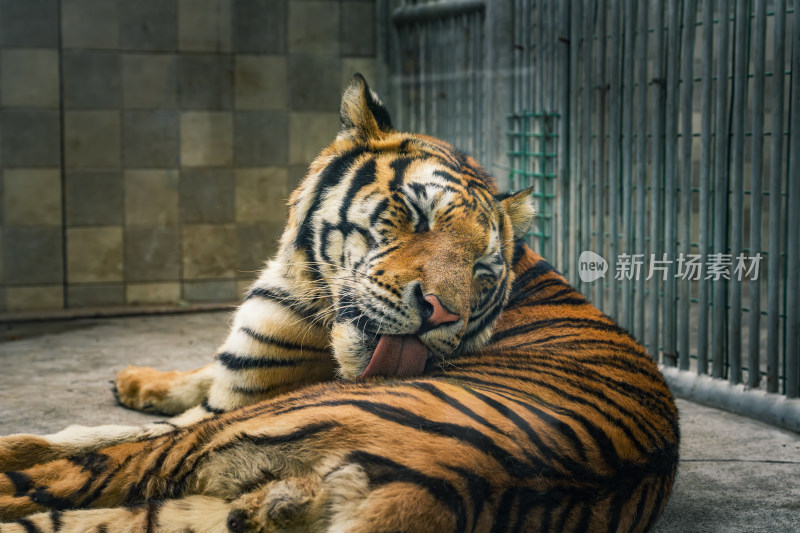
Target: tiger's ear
519 207
362 113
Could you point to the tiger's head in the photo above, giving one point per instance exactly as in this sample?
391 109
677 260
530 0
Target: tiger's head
402 241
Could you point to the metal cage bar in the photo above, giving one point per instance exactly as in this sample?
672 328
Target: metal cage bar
756 188
736 232
775 201
792 366
656 159
626 311
685 218
614 168
585 149
600 146
641 161
671 177
706 148
720 220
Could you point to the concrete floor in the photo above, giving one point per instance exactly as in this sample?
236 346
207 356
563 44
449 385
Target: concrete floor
736 475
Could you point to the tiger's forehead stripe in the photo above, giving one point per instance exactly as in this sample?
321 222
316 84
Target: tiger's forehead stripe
422 147
365 175
330 176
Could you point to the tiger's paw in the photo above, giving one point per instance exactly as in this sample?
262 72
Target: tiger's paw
146 389
285 505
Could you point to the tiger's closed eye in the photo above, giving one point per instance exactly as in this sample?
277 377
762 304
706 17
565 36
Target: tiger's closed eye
484 265
482 270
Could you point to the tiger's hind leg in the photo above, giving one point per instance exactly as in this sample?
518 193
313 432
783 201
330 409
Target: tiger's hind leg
142 388
168 393
126 474
21 451
83 494
200 514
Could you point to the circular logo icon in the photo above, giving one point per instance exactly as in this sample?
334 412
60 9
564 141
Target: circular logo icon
591 266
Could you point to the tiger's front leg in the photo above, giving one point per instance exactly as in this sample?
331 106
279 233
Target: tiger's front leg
272 348
276 344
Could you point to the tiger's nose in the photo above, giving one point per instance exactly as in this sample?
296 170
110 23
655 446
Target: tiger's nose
433 312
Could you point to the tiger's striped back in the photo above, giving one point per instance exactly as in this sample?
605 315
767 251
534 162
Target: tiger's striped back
589 399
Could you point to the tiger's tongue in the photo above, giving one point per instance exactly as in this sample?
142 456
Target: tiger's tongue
397 355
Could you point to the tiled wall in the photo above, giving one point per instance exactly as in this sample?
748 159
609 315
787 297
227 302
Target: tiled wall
147 147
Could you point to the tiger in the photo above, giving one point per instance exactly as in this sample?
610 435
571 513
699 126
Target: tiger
404 363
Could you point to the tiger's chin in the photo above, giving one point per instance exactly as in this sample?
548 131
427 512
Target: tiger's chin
352 349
